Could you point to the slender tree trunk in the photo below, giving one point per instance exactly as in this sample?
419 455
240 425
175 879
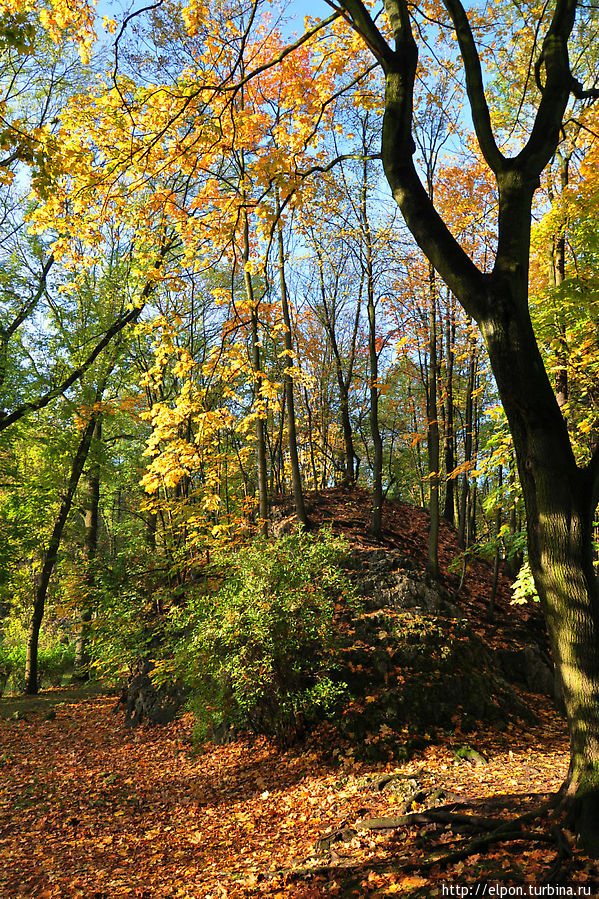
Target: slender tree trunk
296 476
261 466
557 274
468 425
433 434
376 518
43 581
418 454
90 547
343 381
449 510
497 557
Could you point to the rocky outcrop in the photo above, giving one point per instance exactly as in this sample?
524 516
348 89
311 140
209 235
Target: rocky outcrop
413 664
144 700
529 666
414 671
389 580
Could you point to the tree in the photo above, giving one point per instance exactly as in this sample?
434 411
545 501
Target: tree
560 496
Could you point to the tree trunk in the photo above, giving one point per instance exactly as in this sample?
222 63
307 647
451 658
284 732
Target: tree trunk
296 476
449 509
560 497
468 426
376 518
557 274
261 467
432 565
81 670
343 380
560 501
43 581
497 557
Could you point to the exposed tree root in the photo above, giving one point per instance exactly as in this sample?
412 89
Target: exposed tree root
498 831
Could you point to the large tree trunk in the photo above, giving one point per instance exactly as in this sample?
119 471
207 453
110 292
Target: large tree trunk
560 497
560 501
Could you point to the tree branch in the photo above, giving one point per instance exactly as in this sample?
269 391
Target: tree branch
430 231
555 93
580 93
474 85
360 20
7 419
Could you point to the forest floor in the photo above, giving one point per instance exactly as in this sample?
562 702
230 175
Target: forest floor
91 809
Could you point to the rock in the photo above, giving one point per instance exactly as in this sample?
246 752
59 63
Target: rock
345 835
388 580
280 524
529 666
411 673
144 700
466 753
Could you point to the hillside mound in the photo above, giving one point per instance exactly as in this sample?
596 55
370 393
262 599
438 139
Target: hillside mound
422 655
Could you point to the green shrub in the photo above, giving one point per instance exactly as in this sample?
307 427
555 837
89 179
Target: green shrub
56 656
259 649
120 632
54 662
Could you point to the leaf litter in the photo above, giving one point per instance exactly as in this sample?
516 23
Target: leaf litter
90 809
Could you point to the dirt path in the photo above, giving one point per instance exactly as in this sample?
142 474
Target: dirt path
46 700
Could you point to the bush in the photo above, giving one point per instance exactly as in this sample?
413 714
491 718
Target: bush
56 657
259 649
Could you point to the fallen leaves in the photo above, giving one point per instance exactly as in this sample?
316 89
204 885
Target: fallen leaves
89 810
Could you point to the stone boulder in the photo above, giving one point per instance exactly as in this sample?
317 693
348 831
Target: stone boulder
386 579
144 700
530 667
